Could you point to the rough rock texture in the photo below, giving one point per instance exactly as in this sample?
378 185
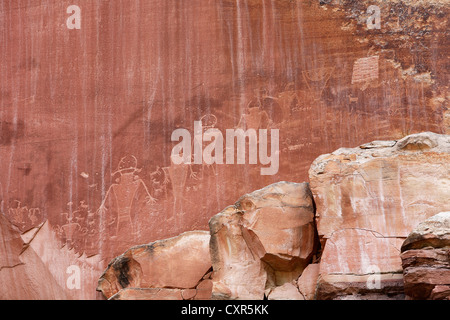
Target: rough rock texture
148 294
201 292
385 186
265 240
81 272
368 200
146 271
307 282
287 291
87 114
31 265
433 232
22 273
360 263
426 259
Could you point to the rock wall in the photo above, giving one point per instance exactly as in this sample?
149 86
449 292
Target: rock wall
88 107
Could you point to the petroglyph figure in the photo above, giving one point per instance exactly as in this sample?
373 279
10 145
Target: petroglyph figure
70 228
255 115
317 80
159 181
289 101
34 215
78 227
208 122
177 175
23 217
17 215
365 71
127 198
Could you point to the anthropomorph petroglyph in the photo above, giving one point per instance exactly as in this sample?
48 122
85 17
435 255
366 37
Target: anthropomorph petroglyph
261 112
178 173
316 80
74 228
126 199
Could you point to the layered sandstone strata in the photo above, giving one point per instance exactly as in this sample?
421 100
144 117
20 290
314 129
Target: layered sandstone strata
426 259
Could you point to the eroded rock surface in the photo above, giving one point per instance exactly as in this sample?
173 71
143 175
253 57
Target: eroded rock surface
22 273
307 282
87 114
34 265
360 263
149 271
264 241
368 200
386 187
426 259
287 291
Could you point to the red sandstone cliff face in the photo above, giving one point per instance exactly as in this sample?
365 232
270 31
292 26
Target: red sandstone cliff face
86 115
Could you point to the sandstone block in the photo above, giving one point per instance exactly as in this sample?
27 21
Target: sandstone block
266 239
179 262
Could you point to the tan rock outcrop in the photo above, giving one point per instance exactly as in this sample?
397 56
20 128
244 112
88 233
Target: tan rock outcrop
426 259
360 262
368 200
307 282
287 291
265 240
385 186
23 275
179 263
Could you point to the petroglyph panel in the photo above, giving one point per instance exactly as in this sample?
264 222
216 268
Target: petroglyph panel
91 92
365 69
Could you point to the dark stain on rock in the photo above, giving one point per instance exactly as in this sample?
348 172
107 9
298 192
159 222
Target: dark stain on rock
25 168
151 247
10 131
121 268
